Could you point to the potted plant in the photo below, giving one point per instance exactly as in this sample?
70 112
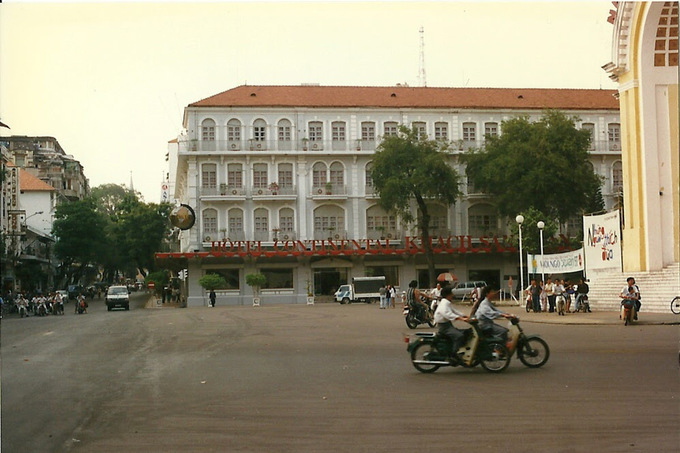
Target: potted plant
224 234
329 188
256 280
276 231
274 187
211 282
310 294
381 229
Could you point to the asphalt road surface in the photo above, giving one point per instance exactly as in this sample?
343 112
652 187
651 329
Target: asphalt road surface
327 377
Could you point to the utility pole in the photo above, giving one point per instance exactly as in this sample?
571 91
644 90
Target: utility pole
422 80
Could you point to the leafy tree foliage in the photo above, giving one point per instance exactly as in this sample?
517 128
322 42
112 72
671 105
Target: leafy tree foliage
542 165
79 230
408 167
212 281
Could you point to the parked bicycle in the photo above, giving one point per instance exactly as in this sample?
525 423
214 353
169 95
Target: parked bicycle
675 305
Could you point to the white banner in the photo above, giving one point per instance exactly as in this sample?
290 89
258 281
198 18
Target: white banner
602 241
557 263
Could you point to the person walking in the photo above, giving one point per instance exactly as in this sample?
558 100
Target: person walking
393 295
213 297
388 296
383 297
536 296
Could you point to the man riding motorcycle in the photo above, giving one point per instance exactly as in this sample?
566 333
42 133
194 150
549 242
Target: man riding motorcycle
444 317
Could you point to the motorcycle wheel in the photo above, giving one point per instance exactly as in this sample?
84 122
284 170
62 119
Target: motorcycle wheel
533 352
497 358
411 321
421 353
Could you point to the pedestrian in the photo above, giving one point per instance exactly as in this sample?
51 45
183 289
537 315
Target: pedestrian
536 296
550 294
382 291
570 290
393 295
543 297
213 297
388 296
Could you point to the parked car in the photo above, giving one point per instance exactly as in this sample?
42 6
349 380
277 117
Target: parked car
462 290
117 296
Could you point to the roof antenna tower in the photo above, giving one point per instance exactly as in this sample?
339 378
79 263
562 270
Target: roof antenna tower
422 80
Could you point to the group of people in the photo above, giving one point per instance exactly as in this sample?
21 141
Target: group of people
37 304
545 296
388 295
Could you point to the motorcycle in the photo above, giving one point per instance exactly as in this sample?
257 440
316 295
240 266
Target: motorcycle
22 310
627 311
58 308
42 309
412 317
431 351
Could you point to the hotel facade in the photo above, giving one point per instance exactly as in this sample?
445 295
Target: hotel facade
279 180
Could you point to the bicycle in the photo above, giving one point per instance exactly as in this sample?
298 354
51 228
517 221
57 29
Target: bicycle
675 305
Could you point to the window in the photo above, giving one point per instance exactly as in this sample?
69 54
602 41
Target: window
234 130
491 129
259 130
379 220
391 129
234 175
315 131
469 132
338 131
260 180
319 174
285 175
438 219
261 218
210 222
284 131
614 132
328 222
286 220
235 223
208 130
278 278
209 176
368 131
420 127
591 128
230 276
482 220
441 131
337 174
369 178
617 177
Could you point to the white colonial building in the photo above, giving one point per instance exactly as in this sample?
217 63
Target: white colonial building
278 177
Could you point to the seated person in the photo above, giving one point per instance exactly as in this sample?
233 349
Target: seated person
444 317
414 299
487 312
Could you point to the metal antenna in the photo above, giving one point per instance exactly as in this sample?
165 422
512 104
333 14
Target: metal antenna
421 70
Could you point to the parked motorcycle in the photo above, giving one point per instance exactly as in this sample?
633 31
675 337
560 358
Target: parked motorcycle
413 316
431 351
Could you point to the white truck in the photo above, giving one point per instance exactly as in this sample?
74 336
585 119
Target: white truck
362 289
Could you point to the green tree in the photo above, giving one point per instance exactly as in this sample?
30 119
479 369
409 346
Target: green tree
81 241
257 281
212 281
530 231
542 165
408 167
141 233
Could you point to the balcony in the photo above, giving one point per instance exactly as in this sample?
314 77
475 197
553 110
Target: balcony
301 145
391 234
275 193
330 234
333 191
224 191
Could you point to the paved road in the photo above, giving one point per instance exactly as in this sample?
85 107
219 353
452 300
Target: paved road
322 378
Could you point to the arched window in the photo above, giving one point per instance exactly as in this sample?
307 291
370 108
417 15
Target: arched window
208 178
421 127
368 131
482 220
617 177
469 132
438 219
491 129
259 130
208 130
315 131
235 176
261 224
285 176
329 222
338 131
319 175
260 178
390 128
337 176
236 225
287 223
441 131
614 135
210 224
234 130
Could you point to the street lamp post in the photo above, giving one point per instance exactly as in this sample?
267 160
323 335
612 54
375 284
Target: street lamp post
540 226
520 219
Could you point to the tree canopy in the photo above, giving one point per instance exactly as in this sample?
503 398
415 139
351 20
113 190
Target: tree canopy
408 167
542 165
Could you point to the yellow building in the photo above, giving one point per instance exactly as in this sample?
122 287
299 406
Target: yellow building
645 65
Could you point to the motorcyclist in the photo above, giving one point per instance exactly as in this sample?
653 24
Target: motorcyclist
414 299
444 317
582 295
632 292
487 312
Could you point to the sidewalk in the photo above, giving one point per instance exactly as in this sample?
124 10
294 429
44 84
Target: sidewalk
154 302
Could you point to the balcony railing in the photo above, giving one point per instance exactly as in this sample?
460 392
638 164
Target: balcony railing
330 233
384 234
329 189
249 145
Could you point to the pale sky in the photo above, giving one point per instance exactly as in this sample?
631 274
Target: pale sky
110 80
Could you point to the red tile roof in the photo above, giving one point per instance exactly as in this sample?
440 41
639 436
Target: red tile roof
31 183
412 97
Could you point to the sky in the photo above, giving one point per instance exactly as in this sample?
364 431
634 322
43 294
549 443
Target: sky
110 80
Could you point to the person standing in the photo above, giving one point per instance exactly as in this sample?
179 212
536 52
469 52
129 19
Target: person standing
536 296
543 297
388 296
550 293
213 297
383 296
393 295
